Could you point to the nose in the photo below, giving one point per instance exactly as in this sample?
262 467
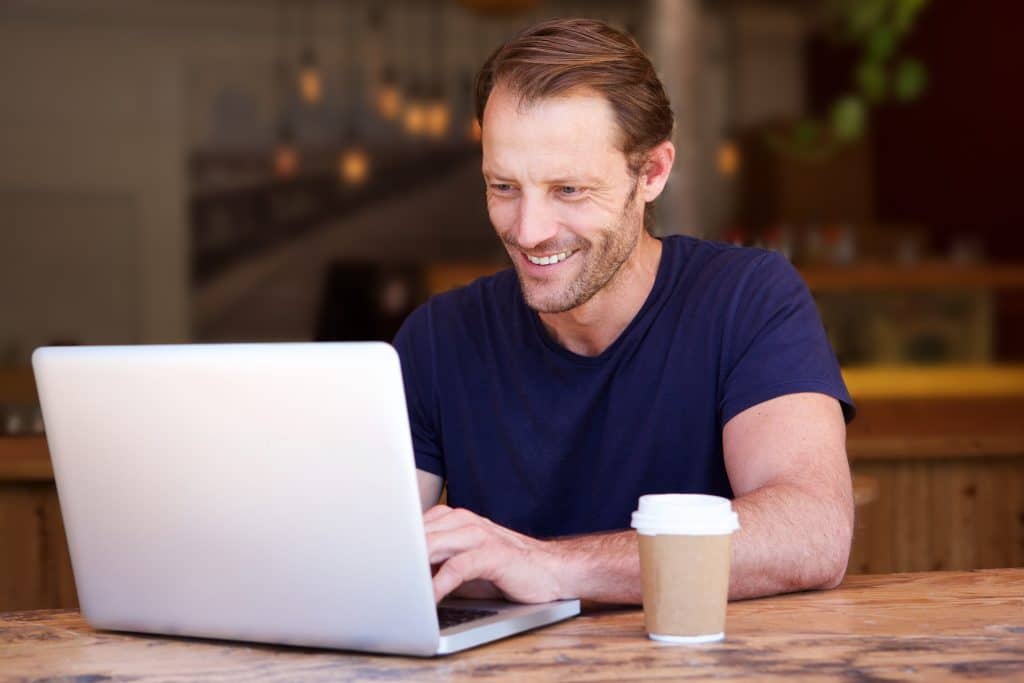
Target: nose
537 222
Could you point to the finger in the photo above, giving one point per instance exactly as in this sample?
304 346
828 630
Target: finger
442 545
435 512
475 564
454 518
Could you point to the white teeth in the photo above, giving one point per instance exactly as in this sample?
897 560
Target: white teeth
548 260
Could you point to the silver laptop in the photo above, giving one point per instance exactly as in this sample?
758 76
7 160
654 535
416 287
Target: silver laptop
257 492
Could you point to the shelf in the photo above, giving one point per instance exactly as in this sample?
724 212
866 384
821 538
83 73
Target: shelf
923 276
955 381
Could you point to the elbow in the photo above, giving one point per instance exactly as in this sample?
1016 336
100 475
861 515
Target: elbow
836 556
835 574
828 569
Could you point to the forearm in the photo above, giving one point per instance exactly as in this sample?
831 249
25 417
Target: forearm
789 540
600 567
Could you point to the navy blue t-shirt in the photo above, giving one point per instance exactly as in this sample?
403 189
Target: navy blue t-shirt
550 443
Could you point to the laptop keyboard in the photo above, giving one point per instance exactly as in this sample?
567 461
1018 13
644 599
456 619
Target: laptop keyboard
453 616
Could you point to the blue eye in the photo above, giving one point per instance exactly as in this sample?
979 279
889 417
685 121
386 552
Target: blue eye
501 187
568 190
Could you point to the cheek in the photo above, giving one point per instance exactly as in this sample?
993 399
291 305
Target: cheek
585 217
502 214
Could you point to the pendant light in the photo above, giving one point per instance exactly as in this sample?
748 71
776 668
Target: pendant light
387 96
353 164
438 113
285 158
310 79
414 111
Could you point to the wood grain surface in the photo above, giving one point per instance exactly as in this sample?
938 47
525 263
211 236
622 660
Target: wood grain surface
911 428
928 627
25 458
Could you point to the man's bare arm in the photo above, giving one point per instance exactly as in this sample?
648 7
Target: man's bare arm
786 460
430 488
787 463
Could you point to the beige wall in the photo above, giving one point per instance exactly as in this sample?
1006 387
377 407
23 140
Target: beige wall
92 189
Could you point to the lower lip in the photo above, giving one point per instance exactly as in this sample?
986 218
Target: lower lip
539 270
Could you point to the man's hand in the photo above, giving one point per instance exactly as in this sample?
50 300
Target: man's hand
472 550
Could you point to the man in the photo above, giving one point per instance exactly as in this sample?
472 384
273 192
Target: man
608 364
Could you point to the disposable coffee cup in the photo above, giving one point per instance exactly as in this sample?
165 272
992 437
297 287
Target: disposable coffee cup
684 562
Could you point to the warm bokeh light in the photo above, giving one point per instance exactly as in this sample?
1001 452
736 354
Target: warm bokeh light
438 117
310 84
728 158
388 101
286 161
354 166
414 118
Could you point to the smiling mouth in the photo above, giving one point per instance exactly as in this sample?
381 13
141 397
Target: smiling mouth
550 259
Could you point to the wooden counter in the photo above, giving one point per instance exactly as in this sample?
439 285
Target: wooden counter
24 459
930 627
35 569
950 476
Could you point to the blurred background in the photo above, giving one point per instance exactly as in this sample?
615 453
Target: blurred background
270 170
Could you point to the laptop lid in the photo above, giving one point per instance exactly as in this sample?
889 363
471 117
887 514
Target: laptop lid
262 492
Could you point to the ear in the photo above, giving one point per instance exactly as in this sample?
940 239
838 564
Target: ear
656 170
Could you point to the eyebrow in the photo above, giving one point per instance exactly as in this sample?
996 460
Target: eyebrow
583 179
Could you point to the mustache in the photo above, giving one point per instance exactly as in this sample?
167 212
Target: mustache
552 246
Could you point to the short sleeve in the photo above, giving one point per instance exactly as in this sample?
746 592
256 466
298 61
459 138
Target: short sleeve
774 342
415 345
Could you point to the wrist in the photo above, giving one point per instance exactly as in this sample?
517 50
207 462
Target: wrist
599 567
568 566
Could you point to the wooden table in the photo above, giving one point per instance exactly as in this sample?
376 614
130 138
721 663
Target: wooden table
929 626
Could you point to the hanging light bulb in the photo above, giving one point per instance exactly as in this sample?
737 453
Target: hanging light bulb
728 158
473 131
286 160
414 114
310 82
354 166
286 156
414 118
388 98
437 114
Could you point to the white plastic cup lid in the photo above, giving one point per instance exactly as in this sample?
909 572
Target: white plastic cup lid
691 514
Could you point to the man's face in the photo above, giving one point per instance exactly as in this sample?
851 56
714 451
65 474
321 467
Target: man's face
559 194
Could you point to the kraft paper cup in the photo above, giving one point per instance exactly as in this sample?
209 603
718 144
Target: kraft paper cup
684 562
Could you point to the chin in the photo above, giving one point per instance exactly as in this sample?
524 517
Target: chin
545 300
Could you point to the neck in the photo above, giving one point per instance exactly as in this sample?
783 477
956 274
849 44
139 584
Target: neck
592 327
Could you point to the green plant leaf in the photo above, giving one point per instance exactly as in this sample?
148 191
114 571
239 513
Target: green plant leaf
848 118
905 13
910 80
872 81
806 133
880 43
862 16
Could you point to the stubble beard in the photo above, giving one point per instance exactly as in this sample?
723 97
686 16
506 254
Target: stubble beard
602 260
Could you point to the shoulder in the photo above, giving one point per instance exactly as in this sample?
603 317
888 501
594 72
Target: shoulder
724 269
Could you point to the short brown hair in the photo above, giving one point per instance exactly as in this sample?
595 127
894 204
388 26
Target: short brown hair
556 56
